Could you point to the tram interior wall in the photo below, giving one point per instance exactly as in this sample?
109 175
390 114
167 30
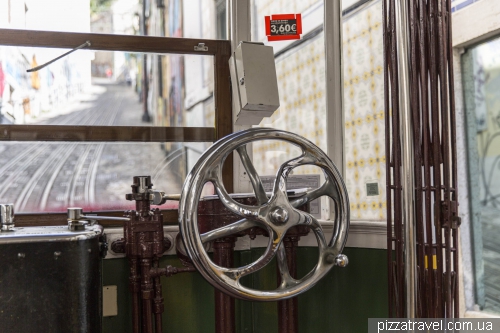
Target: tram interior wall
340 302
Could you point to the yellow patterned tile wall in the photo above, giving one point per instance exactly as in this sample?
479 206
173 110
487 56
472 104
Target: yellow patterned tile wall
364 112
301 83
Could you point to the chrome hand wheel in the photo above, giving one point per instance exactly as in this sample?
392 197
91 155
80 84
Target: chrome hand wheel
275 214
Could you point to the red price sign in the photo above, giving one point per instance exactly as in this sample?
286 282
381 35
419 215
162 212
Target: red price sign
283 27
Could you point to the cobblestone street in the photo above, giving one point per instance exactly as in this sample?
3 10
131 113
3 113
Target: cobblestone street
51 176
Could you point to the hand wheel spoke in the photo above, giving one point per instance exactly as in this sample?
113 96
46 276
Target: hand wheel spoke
286 279
271 250
287 167
310 221
328 188
230 203
260 193
228 230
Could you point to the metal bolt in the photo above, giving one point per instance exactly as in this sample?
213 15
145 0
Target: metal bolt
279 215
21 255
90 250
341 260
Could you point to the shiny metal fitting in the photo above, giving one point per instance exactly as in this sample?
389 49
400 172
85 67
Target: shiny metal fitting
75 213
279 215
75 219
6 217
142 184
341 260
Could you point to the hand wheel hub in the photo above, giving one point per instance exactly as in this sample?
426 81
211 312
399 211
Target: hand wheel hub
279 215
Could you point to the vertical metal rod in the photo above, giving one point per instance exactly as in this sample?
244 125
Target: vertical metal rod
334 82
288 320
407 157
398 174
224 304
146 293
436 151
445 145
388 158
427 157
135 290
145 79
158 300
455 234
417 146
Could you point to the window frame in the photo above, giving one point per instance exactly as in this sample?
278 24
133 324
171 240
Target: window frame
219 49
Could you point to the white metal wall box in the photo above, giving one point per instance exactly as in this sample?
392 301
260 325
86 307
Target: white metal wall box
254 82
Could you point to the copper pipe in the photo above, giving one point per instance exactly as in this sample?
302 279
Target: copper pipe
396 182
158 300
146 295
224 304
288 320
436 149
135 290
427 157
417 146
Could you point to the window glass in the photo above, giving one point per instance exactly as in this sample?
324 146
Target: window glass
301 83
84 87
459 4
51 176
364 112
124 17
481 79
98 89
262 8
300 69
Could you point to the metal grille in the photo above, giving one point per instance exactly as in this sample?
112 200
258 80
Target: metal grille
432 112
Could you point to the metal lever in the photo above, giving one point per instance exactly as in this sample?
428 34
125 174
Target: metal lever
77 221
159 198
34 69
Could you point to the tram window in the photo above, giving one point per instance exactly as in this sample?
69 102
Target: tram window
52 176
364 114
96 89
123 17
300 67
481 77
106 89
84 153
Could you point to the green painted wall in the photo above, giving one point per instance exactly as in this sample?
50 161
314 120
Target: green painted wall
341 302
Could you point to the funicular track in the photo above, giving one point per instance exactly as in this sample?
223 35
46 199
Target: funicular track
63 173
